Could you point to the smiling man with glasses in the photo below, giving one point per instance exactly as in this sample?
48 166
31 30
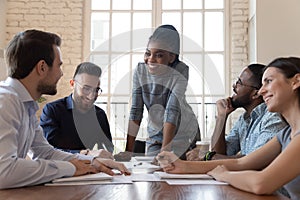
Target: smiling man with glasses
74 123
87 90
253 128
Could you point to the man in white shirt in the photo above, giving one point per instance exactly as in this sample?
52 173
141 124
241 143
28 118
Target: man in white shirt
34 68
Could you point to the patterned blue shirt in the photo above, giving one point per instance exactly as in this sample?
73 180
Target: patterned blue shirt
250 133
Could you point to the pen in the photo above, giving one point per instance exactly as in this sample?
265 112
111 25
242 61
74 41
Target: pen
137 164
190 147
104 147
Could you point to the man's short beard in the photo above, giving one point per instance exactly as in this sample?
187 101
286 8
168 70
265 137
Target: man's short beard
235 104
47 89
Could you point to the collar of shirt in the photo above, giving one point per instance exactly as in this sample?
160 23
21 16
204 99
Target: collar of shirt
23 94
70 105
69 102
256 112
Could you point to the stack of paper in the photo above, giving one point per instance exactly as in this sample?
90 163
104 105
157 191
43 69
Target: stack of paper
99 178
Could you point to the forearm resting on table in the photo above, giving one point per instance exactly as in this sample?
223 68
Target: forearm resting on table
220 156
254 182
202 167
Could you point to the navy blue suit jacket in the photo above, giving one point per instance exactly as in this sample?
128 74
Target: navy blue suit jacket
69 130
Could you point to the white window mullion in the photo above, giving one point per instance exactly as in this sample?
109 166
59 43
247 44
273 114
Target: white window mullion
157 13
183 13
109 96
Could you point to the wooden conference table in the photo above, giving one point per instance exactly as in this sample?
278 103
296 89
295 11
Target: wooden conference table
135 191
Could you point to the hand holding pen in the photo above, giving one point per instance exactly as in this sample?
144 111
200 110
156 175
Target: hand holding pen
170 162
102 153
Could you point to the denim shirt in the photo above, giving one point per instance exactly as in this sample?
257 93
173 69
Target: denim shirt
164 98
250 133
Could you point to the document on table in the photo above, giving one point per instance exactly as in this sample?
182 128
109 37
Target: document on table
140 165
143 158
194 182
176 179
164 175
91 179
188 179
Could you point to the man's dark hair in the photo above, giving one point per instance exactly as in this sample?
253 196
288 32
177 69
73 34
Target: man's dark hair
88 68
27 48
257 70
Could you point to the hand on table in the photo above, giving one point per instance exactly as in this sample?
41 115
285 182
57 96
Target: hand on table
155 161
195 155
171 163
123 156
105 165
98 153
83 167
218 173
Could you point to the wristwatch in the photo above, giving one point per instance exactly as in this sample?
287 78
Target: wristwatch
209 155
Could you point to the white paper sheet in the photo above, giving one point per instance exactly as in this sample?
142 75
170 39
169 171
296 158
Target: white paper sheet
89 177
140 165
141 177
118 179
194 182
165 175
143 158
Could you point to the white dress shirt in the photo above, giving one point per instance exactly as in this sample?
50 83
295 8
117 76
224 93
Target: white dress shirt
20 132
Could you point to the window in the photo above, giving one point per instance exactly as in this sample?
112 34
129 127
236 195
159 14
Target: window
118 33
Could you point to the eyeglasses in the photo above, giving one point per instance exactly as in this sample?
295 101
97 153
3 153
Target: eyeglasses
239 82
86 90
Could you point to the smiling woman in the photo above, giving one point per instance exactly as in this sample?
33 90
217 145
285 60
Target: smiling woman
260 172
159 84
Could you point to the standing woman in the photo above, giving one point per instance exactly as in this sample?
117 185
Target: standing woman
160 84
275 164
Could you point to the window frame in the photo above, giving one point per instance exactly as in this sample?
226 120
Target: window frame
156 20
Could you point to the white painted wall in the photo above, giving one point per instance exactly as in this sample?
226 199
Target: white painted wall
3 5
277 30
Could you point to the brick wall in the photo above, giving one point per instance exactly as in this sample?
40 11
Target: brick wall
239 44
64 17
239 35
